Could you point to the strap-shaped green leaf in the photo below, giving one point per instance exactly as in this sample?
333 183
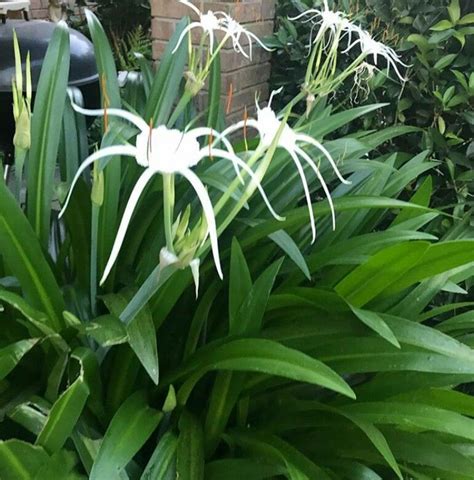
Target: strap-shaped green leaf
22 252
129 429
64 415
46 130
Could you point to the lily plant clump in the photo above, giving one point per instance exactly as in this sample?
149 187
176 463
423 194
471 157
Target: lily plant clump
168 307
171 153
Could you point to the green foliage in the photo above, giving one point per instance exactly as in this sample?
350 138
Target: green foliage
437 40
349 358
128 50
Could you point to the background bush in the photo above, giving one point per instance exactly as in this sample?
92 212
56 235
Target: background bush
437 39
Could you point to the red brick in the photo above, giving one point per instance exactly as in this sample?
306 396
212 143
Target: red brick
231 61
246 77
245 98
243 11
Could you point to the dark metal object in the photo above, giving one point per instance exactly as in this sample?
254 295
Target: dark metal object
34 37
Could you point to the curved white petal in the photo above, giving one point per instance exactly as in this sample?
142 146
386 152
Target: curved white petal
239 162
239 48
203 196
249 39
350 46
311 11
184 33
272 95
308 159
194 266
299 167
211 40
393 64
210 132
307 139
239 125
252 35
104 152
127 216
207 131
115 112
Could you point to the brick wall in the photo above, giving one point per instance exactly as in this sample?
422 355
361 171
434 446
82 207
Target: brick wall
243 77
39 9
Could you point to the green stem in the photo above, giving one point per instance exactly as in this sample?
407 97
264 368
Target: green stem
168 206
94 257
182 104
20 155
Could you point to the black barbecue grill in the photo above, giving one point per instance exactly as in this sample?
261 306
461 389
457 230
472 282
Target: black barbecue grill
34 37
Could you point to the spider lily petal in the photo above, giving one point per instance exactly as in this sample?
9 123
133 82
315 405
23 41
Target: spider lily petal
299 167
208 22
117 112
194 266
112 151
203 196
311 163
370 46
238 126
187 30
311 12
235 159
307 139
210 132
127 216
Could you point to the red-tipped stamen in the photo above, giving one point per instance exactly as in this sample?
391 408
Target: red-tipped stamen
211 141
105 101
150 132
246 118
230 94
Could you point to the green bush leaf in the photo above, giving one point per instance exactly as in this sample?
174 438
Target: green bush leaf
20 460
190 449
240 282
129 429
262 356
162 463
22 252
46 130
11 355
164 89
380 272
376 323
63 416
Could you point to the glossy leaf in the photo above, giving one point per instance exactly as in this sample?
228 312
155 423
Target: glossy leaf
12 354
190 449
63 416
129 429
21 250
46 130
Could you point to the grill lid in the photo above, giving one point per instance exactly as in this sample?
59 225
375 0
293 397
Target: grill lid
34 36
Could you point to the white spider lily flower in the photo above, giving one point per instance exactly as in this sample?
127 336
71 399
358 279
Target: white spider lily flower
370 46
211 22
362 76
208 22
165 151
268 125
327 20
235 30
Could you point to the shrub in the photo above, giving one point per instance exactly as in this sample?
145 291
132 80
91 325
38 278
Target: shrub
436 39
